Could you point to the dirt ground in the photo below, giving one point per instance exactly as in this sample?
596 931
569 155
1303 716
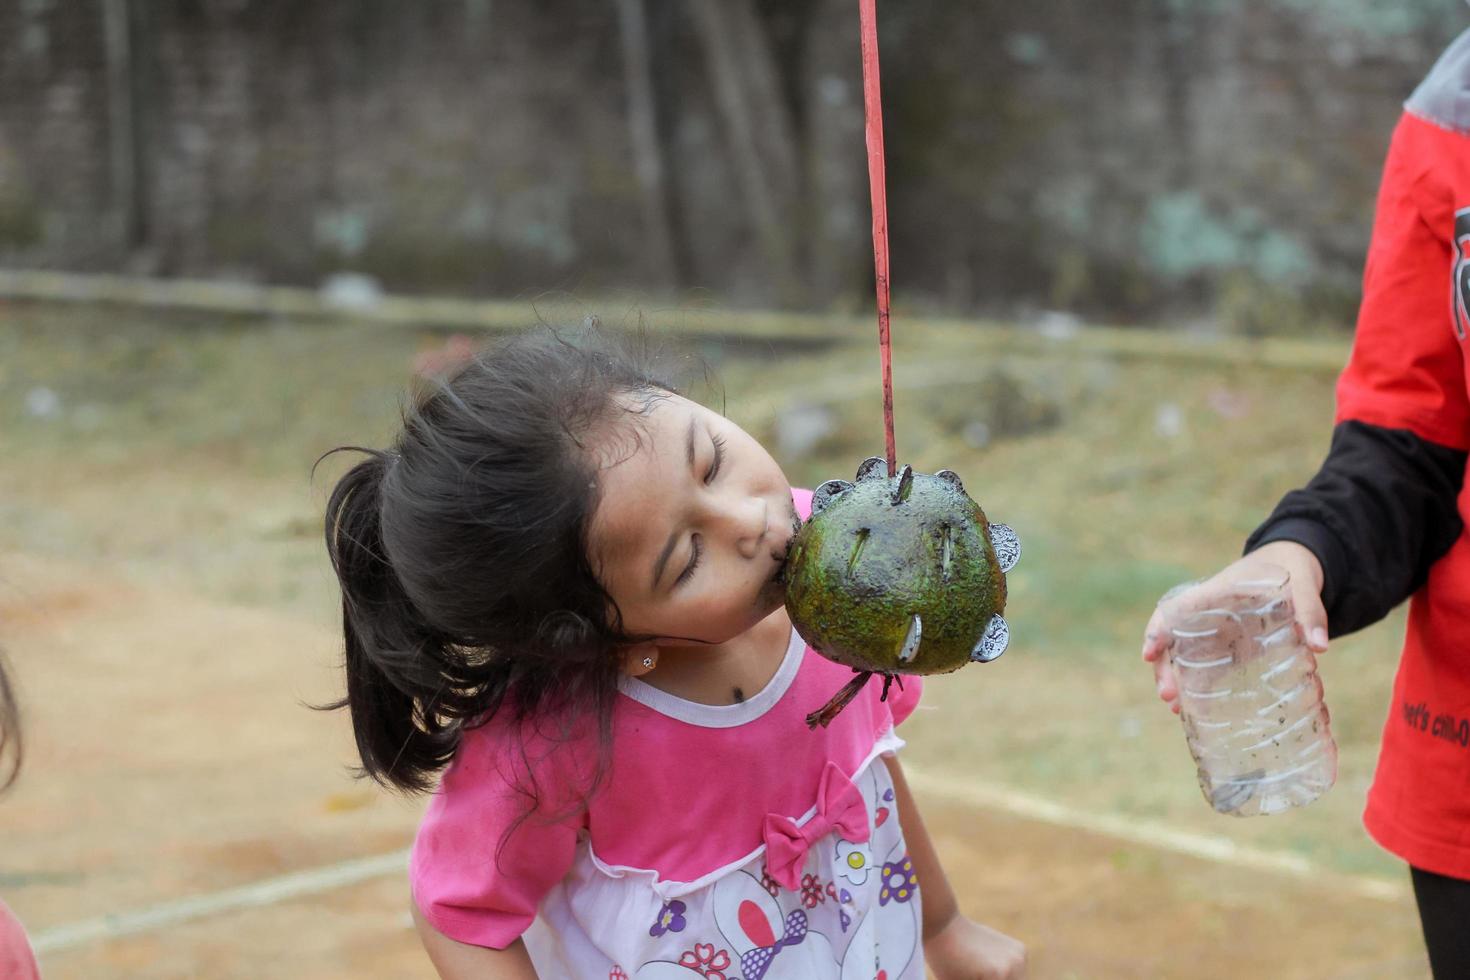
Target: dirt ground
168 612
172 761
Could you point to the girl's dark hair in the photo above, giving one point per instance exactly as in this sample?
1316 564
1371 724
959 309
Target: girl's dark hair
462 553
10 740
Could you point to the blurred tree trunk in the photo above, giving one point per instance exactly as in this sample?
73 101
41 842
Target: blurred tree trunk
643 135
757 123
666 45
126 34
141 67
120 135
1178 46
835 196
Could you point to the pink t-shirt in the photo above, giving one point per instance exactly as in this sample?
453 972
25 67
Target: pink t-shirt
16 960
693 794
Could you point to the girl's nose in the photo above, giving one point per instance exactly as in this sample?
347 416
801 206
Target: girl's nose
746 521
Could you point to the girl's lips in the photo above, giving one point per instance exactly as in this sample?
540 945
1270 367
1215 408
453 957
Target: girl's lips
784 558
772 591
778 577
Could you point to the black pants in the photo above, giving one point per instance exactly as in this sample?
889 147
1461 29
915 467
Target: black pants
1444 911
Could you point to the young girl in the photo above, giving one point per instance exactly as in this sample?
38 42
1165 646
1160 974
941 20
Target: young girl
563 581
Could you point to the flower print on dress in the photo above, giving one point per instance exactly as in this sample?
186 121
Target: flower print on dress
754 963
762 939
706 961
854 861
670 919
899 881
616 973
843 899
884 809
811 891
768 883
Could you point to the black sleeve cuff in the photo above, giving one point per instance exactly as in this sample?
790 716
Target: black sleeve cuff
1379 512
1317 539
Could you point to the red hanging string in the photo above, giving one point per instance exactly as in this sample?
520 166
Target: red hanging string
873 110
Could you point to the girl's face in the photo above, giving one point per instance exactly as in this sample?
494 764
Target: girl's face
693 525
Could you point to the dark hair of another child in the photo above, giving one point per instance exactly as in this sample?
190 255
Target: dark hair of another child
462 553
10 740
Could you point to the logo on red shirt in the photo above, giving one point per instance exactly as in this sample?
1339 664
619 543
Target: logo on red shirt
1460 277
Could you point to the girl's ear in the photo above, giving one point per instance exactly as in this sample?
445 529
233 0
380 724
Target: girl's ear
639 658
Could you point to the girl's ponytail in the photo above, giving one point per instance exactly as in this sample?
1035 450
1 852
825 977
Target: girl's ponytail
394 659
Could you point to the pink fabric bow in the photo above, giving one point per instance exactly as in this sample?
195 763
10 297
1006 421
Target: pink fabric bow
840 807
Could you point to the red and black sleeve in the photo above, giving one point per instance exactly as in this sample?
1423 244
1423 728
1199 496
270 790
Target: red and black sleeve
1383 507
1379 512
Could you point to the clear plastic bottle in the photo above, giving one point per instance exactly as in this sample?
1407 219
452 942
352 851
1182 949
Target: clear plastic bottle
1249 695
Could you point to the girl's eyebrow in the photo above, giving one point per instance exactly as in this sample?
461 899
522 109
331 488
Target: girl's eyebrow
663 558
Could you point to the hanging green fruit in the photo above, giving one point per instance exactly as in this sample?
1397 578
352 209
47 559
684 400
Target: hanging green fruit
899 575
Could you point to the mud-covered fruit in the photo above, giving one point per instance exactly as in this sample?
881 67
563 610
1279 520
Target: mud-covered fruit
900 575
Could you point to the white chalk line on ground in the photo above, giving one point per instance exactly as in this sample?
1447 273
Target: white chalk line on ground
1150 833
930 785
261 893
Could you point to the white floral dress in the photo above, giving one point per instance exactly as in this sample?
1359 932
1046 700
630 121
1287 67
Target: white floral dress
722 842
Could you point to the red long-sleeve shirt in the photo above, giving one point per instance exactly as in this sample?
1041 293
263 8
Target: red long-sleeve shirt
1388 511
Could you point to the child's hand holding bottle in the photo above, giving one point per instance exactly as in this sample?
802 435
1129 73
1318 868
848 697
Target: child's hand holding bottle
1299 563
1241 669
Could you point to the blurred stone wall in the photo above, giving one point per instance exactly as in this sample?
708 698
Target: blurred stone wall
1115 157
1147 153
473 147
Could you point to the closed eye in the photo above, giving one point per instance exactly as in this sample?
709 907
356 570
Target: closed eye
719 460
696 555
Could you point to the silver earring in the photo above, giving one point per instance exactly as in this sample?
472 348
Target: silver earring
648 663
